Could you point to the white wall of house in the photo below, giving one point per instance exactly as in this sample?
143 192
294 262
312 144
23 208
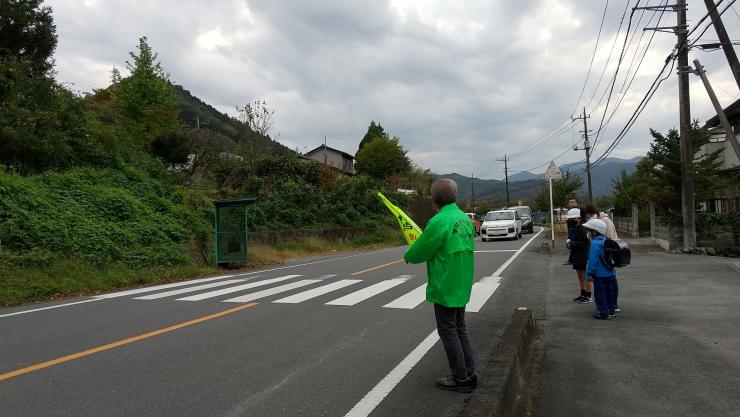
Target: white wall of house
718 141
333 159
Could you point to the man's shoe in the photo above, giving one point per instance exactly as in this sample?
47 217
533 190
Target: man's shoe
449 383
579 298
599 316
584 300
474 379
617 310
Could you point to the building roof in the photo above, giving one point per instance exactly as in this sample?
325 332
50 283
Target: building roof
329 148
732 112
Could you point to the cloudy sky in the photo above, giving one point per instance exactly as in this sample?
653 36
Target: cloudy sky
460 82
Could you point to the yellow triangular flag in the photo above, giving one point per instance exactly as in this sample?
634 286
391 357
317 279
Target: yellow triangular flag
409 229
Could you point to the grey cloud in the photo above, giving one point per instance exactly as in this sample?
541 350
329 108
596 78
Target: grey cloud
460 83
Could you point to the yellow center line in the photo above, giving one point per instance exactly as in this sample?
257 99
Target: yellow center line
375 267
119 343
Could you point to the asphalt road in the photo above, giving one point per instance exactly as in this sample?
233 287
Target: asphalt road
347 334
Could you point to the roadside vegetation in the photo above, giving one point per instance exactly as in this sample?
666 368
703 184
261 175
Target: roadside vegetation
114 188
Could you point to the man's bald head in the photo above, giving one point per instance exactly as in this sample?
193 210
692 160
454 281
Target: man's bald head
444 192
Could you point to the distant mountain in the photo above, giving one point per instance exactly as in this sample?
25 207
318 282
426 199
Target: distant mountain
524 176
602 175
492 189
525 185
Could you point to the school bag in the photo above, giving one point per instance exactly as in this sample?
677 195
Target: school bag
616 254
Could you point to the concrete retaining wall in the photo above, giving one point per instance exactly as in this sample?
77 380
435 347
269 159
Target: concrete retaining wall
503 390
338 235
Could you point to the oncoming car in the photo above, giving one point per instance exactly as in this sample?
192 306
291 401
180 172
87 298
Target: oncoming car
501 224
526 216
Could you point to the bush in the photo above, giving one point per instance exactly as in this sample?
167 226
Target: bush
99 216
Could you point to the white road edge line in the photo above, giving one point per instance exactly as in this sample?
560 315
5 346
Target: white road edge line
510 260
51 307
102 297
316 262
386 385
376 395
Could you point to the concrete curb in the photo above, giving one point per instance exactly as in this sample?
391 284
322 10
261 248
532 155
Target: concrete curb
503 390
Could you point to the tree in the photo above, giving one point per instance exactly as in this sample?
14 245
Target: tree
373 131
27 35
41 122
257 116
562 190
145 99
658 175
383 157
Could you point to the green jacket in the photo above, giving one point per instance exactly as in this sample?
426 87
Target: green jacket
446 246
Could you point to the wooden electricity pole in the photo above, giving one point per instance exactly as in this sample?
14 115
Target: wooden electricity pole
587 148
506 174
724 40
688 206
726 126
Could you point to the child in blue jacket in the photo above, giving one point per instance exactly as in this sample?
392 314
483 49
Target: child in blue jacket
603 277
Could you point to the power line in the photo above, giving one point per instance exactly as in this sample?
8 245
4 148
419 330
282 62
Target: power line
634 74
616 71
547 137
709 12
593 55
710 23
611 52
671 59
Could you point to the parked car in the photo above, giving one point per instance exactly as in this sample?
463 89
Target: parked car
526 215
501 224
475 221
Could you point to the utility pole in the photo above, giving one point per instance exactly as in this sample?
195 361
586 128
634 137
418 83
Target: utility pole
472 190
729 135
688 205
324 151
587 148
724 40
506 174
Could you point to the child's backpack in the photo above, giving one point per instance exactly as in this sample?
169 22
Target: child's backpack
617 253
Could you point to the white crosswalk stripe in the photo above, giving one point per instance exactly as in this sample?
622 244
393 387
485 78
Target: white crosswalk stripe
411 299
272 291
188 289
161 287
315 292
373 290
213 294
482 291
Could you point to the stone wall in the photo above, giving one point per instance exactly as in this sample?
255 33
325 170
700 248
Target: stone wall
628 225
721 238
338 235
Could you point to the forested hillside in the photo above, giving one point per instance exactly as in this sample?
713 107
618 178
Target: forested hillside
115 187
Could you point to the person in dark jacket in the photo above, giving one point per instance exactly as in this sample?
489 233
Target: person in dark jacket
572 203
579 246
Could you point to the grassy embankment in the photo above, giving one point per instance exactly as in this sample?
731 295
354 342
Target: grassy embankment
89 230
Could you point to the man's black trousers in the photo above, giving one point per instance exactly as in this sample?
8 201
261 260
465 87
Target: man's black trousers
454 335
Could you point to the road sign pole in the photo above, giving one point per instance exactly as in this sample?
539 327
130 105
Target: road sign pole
552 216
552 173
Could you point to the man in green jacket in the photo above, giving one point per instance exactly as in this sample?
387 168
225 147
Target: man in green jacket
447 246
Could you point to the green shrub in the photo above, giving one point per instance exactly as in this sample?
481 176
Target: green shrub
100 215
